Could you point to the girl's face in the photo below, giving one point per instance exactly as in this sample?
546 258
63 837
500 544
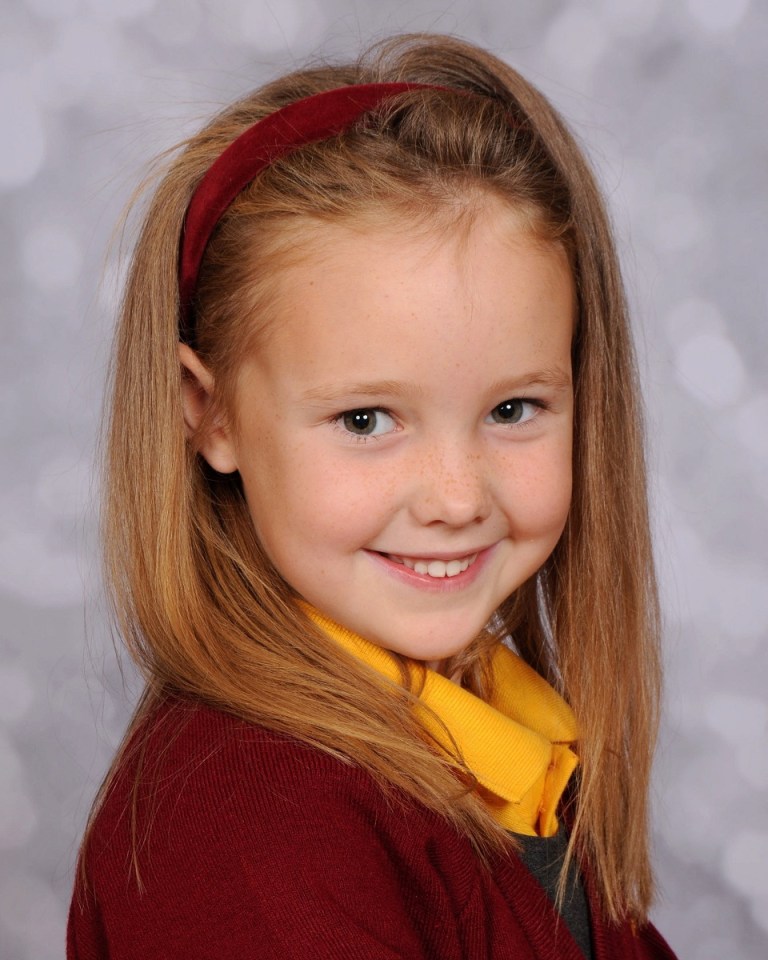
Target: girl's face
403 433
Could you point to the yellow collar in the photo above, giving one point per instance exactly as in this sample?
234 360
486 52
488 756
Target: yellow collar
518 745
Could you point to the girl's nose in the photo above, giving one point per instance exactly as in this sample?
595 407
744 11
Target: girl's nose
452 489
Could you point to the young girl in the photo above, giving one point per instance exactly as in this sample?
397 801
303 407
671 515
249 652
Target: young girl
376 533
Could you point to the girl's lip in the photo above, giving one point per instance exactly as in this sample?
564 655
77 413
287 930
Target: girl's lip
446 557
423 581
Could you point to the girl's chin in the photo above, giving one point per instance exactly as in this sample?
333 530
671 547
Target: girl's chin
433 655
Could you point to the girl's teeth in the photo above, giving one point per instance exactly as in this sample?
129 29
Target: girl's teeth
438 568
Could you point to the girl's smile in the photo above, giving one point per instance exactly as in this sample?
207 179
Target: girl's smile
438 574
403 431
436 567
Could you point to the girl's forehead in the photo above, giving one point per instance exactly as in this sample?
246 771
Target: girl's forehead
424 231
383 302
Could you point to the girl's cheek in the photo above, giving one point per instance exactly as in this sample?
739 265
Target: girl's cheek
539 496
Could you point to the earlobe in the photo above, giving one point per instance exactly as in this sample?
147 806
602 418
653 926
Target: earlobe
206 429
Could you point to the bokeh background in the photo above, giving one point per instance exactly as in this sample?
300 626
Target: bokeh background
670 100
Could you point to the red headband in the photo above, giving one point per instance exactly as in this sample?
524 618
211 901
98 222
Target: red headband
314 118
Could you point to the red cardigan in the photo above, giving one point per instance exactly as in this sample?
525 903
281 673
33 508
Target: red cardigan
252 845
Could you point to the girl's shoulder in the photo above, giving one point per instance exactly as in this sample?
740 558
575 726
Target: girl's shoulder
211 820
191 765
193 761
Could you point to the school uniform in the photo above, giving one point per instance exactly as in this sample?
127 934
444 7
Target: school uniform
251 844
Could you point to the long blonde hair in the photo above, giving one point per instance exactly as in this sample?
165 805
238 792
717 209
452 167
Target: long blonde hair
202 610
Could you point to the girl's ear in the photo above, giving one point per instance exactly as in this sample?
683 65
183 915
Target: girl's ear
205 428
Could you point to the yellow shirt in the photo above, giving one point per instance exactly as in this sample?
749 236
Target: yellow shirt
518 745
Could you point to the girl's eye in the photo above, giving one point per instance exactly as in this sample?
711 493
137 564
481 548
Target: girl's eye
367 422
513 411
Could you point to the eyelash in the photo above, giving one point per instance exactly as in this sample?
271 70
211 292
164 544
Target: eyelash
540 405
337 420
338 423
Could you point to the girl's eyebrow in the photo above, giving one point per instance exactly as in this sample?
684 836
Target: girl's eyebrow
328 393
555 378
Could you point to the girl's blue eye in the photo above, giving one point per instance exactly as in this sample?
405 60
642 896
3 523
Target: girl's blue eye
367 422
512 411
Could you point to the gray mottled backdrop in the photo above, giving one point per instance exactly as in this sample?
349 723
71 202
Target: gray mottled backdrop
670 98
